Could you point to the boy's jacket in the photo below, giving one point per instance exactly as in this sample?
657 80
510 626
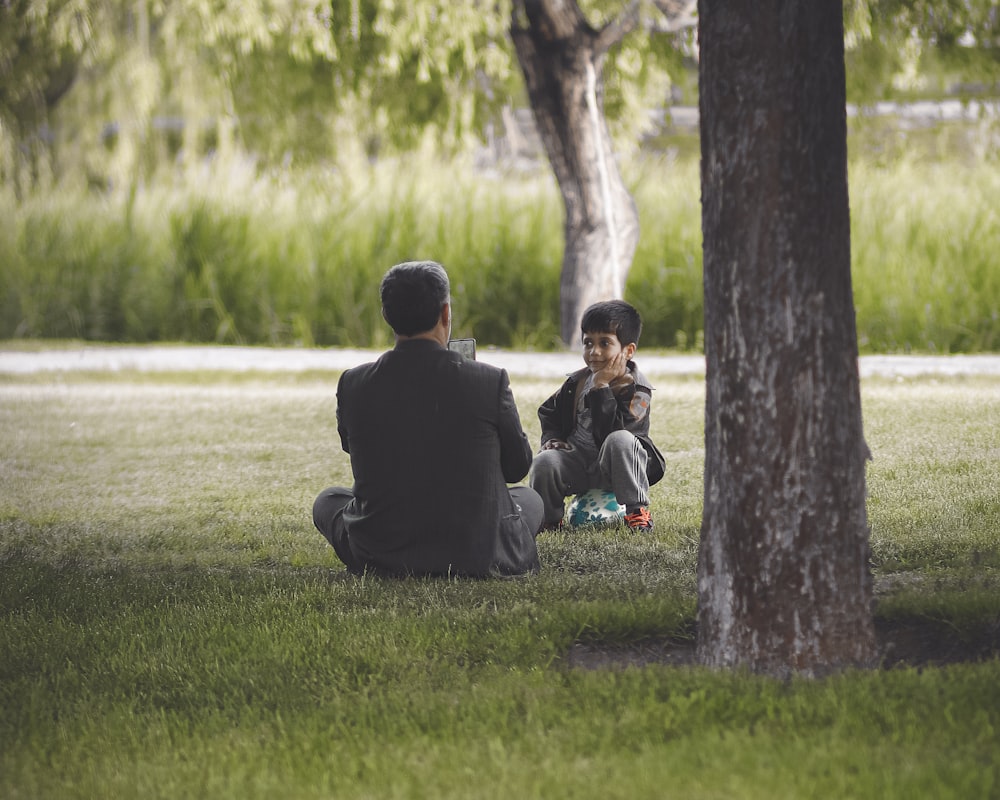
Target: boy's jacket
623 405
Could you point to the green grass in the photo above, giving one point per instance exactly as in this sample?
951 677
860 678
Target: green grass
240 257
923 239
172 626
945 434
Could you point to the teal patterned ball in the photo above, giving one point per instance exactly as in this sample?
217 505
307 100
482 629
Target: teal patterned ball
594 507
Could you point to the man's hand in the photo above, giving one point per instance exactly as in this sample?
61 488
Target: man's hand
556 444
611 371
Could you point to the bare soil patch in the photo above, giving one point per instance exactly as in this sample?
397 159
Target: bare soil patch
901 643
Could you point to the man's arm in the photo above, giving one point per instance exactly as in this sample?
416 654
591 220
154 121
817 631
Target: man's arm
515 451
345 439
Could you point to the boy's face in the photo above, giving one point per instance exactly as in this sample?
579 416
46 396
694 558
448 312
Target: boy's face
600 347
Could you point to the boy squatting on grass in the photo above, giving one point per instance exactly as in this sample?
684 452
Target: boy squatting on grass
595 429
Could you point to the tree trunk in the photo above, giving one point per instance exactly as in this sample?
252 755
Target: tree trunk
783 572
561 57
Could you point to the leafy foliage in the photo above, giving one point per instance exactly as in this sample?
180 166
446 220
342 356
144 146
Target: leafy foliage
914 48
111 91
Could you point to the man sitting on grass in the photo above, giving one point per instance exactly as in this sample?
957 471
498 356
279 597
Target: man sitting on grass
434 439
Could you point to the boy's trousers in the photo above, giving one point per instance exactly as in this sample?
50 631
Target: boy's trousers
620 467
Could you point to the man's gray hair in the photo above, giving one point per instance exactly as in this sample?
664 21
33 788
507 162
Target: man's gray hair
413 294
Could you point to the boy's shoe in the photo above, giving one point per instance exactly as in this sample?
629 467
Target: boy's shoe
639 520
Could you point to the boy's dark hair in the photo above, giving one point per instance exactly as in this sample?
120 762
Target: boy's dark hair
413 294
613 316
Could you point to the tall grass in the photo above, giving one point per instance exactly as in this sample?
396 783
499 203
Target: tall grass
665 282
926 250
240 258
296 258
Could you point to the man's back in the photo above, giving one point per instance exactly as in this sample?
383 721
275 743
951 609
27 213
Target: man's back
434 439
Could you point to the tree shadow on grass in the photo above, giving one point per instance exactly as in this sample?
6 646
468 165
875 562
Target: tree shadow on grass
902 642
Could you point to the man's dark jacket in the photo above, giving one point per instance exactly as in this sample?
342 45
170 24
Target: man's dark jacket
623 406
434 440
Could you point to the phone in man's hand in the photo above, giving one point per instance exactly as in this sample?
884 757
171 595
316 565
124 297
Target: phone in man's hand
467 347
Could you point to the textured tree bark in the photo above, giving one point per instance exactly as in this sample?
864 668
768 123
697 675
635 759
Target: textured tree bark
784 583
561 57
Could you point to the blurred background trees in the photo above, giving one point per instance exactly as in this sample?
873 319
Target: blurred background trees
112 90
108 97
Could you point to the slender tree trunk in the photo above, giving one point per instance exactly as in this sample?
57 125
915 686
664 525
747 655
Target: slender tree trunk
561 57
783 573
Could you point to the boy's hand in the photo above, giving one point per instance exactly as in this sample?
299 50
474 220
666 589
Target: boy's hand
556 444
611 371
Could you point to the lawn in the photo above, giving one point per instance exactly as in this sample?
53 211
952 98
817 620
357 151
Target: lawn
172 626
